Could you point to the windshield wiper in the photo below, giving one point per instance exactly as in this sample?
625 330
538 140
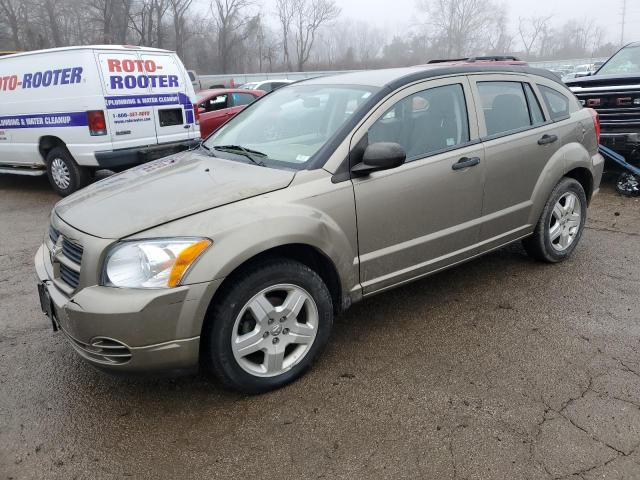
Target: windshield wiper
245 152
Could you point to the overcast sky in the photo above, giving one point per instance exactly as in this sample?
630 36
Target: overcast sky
398 14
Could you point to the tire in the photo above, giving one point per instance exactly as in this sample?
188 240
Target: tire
236 325
548 244
65 176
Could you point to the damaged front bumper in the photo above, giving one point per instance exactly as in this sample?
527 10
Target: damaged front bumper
128 330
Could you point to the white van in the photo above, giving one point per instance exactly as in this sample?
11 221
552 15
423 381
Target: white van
67 112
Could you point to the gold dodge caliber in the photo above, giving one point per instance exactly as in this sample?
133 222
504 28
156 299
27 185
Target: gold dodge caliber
238 255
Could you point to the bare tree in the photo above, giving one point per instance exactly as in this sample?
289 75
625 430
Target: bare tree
531 29
103 13
231 22
368 42
285 10
500 40
308 17
9 10
460 26
179 10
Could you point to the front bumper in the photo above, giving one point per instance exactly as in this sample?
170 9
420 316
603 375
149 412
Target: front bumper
130 331
620 140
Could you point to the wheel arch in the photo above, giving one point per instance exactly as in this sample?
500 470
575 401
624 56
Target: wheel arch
584 177
306 254
573 161
48 143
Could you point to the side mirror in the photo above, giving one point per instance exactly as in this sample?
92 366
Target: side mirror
380 156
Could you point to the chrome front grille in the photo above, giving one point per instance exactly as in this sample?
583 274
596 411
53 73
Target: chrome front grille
72 251
53 235
66 255
615 108
69 276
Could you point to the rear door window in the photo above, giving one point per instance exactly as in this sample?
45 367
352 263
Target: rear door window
557 103
506 108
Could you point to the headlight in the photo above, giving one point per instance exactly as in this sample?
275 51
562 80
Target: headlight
157 263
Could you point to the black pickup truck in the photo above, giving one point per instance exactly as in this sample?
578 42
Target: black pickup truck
614 92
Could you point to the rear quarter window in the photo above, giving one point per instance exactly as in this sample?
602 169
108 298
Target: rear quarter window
557 103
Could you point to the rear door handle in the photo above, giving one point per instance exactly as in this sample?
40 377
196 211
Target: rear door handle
547 139
466 162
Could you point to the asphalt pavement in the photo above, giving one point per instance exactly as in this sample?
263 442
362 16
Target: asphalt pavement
501 368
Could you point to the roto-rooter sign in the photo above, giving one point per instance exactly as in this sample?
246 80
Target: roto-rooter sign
133 74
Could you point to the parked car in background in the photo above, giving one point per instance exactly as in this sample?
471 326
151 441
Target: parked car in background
580 71
208 82
237 256
67 112
215 107
267 85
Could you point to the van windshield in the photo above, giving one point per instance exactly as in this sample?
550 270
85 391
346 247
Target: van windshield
287 127
626 60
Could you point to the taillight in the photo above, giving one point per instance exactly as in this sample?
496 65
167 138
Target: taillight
97 122
196 113
596 123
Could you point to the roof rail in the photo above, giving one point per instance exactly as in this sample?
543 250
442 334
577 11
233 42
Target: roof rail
488 58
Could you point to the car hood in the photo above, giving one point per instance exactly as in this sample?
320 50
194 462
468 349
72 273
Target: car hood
604 80
164 190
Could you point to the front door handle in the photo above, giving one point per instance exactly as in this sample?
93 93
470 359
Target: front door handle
547 139
466 162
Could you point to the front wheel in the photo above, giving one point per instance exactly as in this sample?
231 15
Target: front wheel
560 227
65 175
267 327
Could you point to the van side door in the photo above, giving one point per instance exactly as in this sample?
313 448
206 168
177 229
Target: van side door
129 111
422 215
519 140
174 117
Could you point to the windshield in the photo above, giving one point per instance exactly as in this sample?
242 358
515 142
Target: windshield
626 60
288 126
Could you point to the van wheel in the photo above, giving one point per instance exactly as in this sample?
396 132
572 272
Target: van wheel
267 327
65 176
561 224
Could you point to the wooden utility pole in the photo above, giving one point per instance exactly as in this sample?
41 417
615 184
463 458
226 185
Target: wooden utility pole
624 19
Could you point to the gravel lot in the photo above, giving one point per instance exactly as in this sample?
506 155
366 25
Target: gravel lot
502 368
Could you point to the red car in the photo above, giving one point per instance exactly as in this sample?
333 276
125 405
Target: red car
217 106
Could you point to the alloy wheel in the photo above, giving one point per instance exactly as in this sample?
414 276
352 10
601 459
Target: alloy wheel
565 221
60 173
275 330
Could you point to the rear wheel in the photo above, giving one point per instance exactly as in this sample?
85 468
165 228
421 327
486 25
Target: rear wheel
268 326
560 227
65 175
